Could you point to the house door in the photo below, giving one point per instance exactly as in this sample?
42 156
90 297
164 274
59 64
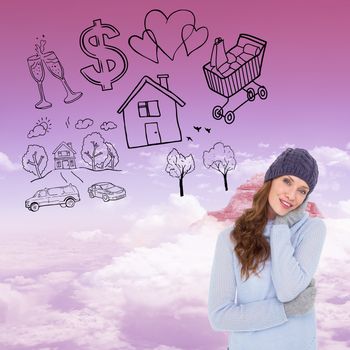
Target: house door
65 164
152 133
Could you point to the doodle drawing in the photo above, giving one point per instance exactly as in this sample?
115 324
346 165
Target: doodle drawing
54 66
107 191
179 166
229 72
150 114
112 63
84 123
65 196
35 160
220 158
64 156
98 153
108 126
40 129
168 34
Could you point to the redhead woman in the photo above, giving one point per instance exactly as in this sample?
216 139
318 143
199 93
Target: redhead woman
261 285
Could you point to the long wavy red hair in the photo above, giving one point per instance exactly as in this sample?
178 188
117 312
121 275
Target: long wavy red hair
251 247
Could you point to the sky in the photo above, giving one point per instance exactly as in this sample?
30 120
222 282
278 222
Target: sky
81 268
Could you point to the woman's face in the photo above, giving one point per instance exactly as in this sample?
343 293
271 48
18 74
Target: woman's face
287 192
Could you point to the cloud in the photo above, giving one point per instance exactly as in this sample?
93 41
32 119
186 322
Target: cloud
94 235
108 126
263 145
287 145
6 164
193 145
38 130
344 207
164 221
84 123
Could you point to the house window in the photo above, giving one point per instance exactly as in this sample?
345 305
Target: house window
148 109
63 153
59 164
71 163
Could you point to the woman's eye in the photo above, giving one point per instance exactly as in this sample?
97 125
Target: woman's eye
287 181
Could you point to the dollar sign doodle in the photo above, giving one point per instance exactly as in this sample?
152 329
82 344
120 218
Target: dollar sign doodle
112 62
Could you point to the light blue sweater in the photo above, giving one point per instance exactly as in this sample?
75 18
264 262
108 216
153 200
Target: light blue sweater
253 311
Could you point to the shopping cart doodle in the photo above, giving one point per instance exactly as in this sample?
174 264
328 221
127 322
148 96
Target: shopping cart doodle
229 72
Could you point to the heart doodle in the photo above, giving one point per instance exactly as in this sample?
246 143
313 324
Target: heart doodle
194 38
145 46
168 30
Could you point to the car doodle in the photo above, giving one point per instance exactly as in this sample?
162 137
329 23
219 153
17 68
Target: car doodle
65 196
107 191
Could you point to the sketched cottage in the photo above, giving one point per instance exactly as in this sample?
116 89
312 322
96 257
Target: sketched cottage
64 156
150 114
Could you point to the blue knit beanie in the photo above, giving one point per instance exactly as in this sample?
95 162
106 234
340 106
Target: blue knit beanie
297 162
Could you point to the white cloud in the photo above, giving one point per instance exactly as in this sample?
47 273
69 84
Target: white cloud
164 221
94 235
193 145
145 154
243 154
345 206
6 164
263 145
287 145
331 156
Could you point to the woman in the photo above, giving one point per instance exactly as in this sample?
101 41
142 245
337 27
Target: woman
261 285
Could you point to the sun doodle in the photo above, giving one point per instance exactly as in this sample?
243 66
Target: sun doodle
45 123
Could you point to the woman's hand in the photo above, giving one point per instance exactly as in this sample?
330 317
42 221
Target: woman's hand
303 302
292 217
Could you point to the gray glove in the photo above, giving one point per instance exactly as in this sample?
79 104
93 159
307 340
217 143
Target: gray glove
292 217
303 302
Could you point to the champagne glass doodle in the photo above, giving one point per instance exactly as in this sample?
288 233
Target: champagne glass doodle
36 69
54 66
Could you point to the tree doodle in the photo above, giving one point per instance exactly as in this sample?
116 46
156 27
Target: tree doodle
35 160
98 153
112 157
179 166
220 158
54 66
112 62
168 34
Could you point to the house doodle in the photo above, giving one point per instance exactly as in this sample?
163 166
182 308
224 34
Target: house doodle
64 156
150 114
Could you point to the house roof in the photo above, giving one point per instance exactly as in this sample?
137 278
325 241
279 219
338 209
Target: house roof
64 144
140 85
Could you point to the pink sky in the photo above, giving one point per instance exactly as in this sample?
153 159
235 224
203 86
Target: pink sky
71 278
